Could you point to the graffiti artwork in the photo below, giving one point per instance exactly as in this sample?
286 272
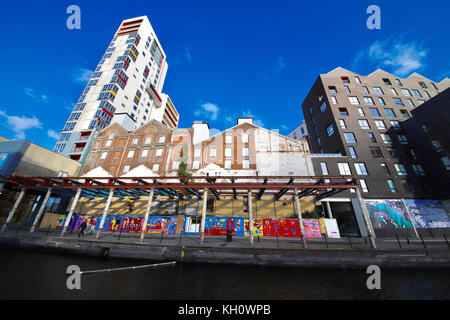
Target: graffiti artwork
312 228
388 214
428 213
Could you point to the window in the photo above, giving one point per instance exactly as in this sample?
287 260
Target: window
345 79
389 112
411 103
380 124
368 101
411 153
175 165
343 112
147 140
330 130
130 154
394 92
395 124
227 164
228 152
387 82
159 152
347 90
393 152
376 152
418 169
349 137
386 138
155 167
445 160
406 93
323 107
372 137
363 185
385 169
353 100
342 124
357 80
421 101
361 168
398 82
378 90
324 168
108 143
402 138
366 90
197 153
332 89
404 114
398 101
423 85
363 124
374 112
135 141
212 152
434 86
416 93
352 152
195 164
334 100
391 186
246 164
228 139
361 112
144 153
126 169
344 168
104 154
427 94
245 138
407 186
245 152
400 168
162 139
381 100
437 145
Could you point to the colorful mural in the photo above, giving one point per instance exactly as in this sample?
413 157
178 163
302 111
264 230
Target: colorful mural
428 213
214 226
388 214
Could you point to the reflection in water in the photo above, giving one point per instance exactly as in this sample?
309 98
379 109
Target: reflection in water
32 275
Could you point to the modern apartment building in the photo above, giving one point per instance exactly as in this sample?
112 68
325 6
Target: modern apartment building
124 88
358 126
360 117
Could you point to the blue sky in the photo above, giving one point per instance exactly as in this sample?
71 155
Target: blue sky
226 58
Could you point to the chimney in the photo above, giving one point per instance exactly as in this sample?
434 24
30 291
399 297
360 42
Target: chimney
244 120
201 131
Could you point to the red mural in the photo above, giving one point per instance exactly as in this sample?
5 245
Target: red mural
281 228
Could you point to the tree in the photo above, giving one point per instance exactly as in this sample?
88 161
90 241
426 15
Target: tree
183 172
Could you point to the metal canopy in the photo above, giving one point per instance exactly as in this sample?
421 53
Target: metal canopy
181 186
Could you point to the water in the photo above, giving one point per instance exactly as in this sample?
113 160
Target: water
33 275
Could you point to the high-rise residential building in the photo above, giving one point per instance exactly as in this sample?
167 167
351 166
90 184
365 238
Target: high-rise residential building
361 117
126 87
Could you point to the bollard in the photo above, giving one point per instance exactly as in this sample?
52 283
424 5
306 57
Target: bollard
445 237
423 242
278 241
160 240
398 240
407 240
48 229
120 233
181 235
326 241
258 239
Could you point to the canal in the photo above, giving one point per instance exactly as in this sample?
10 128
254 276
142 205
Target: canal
36 275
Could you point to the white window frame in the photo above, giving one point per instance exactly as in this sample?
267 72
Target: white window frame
159 152
344 169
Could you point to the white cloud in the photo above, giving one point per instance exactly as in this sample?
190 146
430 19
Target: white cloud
53 134
187 54
39 97
208 110
82 75
20 124
399 56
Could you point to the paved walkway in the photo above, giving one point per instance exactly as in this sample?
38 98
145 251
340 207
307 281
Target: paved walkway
429 243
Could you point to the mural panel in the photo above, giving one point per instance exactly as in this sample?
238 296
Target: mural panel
428 213
387 214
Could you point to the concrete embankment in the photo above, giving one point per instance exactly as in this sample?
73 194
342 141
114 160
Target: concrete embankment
224 254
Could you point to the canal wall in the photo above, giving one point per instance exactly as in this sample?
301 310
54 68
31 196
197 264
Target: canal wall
317 258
